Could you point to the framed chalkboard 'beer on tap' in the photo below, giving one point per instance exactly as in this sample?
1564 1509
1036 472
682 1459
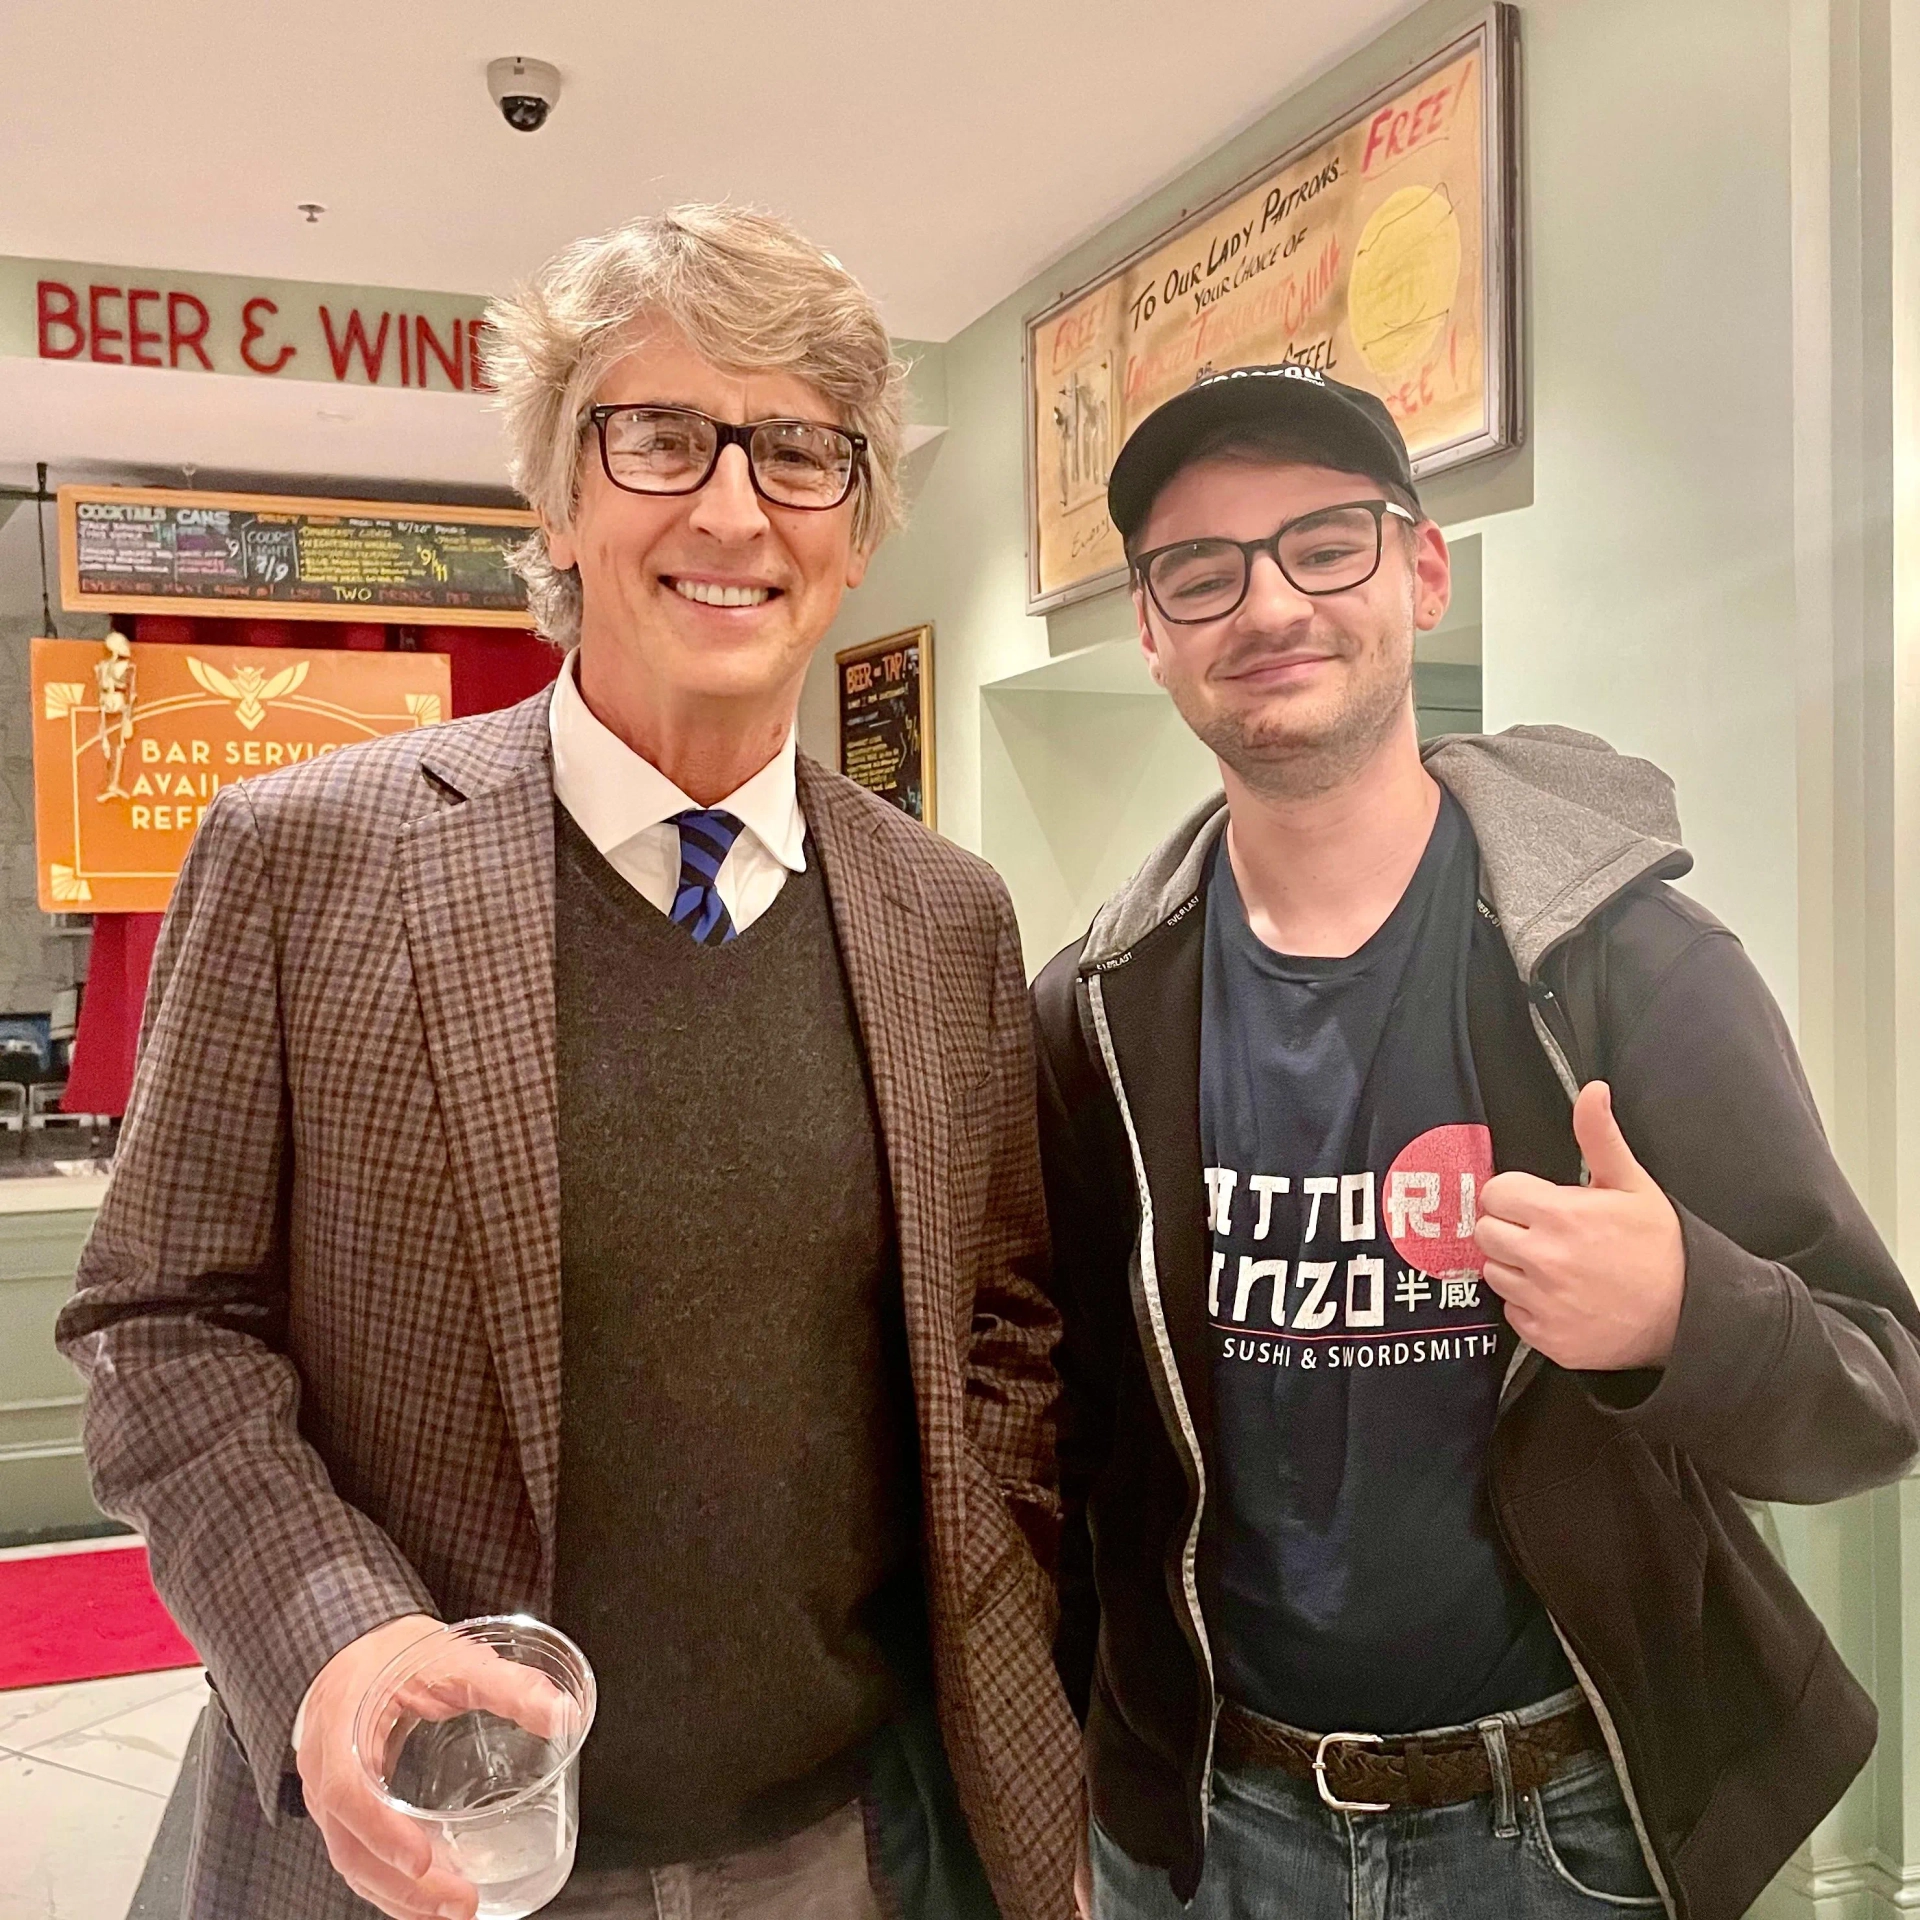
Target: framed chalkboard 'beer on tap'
884 693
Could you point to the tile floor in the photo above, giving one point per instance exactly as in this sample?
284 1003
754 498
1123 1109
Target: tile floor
85 1771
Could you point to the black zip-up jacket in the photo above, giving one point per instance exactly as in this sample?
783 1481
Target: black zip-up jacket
1795 1376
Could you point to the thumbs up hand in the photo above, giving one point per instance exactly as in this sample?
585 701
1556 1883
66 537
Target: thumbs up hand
1592 1276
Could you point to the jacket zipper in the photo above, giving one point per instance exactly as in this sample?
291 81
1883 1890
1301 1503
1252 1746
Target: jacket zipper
1174 1396
1539 1003
1616 1753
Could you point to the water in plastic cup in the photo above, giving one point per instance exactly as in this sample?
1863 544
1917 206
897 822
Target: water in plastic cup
475 1731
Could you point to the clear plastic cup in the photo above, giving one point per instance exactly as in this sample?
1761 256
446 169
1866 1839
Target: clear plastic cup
475 1732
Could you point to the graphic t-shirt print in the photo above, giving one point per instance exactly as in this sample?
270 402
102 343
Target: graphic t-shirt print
1354 1575
1355 1269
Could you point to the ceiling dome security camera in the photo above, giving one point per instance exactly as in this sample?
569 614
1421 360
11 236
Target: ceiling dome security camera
524 90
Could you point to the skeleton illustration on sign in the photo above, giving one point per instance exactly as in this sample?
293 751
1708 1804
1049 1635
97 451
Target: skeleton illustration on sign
115 677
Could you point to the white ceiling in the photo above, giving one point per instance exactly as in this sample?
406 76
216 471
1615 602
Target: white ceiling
946 153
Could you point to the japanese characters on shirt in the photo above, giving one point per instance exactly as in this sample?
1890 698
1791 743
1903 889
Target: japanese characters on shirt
1358 1270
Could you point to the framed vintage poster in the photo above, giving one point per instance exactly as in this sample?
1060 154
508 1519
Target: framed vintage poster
884 696
162 550
1382 251
131 743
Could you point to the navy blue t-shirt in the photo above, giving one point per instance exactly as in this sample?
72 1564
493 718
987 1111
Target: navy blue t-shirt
1355 1580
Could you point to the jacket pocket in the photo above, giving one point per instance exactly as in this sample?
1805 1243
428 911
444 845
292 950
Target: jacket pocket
1616 1553
994 1553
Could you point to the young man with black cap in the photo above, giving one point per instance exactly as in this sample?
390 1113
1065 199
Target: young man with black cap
1447 1244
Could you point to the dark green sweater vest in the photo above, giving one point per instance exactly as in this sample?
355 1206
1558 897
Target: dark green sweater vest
738 1477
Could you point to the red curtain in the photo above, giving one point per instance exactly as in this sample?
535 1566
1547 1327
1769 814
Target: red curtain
489 666
101 1073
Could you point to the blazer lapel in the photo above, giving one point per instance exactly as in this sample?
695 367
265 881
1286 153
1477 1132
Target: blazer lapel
477 895
881 923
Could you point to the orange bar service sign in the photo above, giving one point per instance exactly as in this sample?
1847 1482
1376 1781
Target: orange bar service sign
131 743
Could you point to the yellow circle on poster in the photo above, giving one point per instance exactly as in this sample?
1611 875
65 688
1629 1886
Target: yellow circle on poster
1405 271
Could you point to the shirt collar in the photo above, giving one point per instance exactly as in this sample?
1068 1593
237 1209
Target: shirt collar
613 794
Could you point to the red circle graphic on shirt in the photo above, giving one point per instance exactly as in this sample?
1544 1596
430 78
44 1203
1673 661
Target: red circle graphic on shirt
1431 1198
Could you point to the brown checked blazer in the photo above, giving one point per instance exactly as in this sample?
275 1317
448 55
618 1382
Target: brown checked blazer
319 1314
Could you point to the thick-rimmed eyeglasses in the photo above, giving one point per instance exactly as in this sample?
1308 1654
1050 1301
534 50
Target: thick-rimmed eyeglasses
1327 551
793 463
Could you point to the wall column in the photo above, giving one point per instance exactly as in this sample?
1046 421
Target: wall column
1855 109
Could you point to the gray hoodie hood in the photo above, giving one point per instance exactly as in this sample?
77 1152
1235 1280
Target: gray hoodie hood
1564 824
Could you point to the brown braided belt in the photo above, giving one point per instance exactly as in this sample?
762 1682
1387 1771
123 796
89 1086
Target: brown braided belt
1367 1773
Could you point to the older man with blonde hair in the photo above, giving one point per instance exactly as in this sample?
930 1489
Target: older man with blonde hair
583 1162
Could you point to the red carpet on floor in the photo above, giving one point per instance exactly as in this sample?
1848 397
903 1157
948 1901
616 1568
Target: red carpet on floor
83 1616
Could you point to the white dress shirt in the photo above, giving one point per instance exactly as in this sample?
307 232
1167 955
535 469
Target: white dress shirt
624 805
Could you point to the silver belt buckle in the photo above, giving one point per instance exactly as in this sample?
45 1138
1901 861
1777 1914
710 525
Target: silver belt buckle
1327 1794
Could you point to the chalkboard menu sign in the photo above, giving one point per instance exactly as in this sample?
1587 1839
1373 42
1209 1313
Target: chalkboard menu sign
886 718
152 550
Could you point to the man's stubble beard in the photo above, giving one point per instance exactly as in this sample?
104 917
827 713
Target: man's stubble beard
1272 758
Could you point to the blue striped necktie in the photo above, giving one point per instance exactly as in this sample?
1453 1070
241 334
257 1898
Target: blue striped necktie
706 838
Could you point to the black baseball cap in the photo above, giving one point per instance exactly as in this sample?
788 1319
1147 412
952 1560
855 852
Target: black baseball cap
1350 430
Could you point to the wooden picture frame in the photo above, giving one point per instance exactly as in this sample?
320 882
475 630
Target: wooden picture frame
288 509
1382 249
883 705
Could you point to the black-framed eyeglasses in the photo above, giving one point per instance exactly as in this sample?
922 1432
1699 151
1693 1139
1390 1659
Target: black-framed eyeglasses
1327 551
793 463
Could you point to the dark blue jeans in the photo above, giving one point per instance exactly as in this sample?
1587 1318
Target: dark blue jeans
1274 1852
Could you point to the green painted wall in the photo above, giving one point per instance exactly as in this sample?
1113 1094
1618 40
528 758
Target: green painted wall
1697 554
1637 552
